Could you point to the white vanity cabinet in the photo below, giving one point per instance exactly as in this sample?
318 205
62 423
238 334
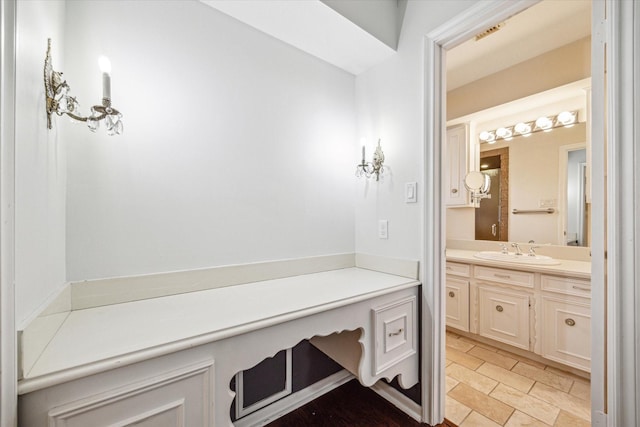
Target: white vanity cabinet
546 314
566 321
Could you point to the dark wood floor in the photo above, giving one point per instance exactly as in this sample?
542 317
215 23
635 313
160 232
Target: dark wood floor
349 405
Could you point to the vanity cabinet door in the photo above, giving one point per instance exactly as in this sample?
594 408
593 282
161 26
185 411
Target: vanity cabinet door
457 303
566 332
504 316
457 166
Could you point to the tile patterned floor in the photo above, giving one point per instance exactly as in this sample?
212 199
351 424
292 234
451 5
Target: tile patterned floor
489 387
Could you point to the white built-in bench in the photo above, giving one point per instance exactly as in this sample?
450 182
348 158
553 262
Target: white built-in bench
113 359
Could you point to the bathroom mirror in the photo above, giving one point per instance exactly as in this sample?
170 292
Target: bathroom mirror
531 174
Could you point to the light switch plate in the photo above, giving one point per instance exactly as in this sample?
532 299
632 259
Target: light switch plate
383 229
411 192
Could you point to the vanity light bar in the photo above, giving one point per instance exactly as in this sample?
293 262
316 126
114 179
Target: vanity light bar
542 124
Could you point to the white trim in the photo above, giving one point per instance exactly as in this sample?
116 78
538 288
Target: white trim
455 31
398 400
620 274
8 345
294 401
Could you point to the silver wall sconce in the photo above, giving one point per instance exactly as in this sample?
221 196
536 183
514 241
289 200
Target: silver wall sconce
60 102
375 167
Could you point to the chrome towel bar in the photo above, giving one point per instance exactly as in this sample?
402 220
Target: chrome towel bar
533 211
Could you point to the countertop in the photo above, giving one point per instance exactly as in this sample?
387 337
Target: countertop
109 333
580 269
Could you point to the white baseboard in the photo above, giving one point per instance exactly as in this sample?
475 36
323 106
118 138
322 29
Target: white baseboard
399 400
294 401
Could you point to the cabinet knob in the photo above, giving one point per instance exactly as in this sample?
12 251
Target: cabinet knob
499 308
454 190
452 294
570 322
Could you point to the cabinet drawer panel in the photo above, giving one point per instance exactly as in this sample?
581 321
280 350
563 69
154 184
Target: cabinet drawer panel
458 269
566 285
501 275
504 316
567 332
457 303
175 399
395 333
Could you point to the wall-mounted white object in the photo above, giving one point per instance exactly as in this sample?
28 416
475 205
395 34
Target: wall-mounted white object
60 102
411 192
375 167
478 184
383 229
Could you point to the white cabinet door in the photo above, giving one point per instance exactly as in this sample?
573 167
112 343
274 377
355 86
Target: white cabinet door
178 398
457 303
566 332
504 316
457 155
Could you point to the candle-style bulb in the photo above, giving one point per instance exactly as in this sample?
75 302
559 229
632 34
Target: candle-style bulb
105 64
105 67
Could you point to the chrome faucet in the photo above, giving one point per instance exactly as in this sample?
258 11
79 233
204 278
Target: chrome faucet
532 250
505 248
517 246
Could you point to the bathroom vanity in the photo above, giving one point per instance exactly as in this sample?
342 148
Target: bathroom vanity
170 360
543 309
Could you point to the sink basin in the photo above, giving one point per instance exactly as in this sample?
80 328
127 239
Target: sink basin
516 259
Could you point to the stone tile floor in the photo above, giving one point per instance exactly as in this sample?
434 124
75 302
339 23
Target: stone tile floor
489 387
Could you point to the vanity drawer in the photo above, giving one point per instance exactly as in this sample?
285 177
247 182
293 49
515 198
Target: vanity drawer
458 269
395 333
500 275
566 285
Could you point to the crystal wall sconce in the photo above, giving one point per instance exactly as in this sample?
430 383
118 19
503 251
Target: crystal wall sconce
60 102
375 167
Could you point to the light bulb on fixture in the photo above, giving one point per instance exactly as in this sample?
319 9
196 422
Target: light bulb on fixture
489 137
567 118
523 129
544 123
504 133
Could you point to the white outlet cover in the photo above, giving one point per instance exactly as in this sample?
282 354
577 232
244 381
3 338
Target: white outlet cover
383 229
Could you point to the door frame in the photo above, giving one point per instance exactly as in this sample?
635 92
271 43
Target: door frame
616 25
457 30
8 344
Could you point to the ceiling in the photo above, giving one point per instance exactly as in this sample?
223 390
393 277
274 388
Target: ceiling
322 29
543 27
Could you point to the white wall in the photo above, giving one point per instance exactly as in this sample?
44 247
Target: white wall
390 105
237 147
40 163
